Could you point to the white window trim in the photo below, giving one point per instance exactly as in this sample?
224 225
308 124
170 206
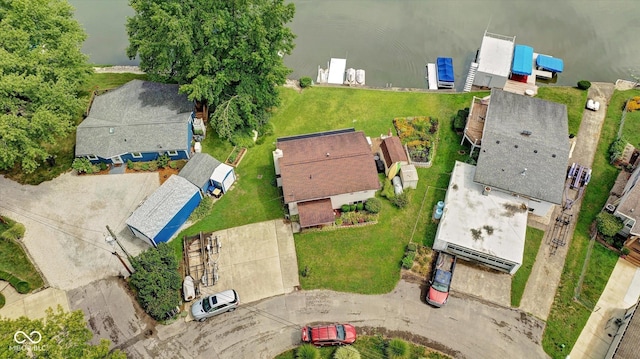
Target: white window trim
172 153
92 157
136 154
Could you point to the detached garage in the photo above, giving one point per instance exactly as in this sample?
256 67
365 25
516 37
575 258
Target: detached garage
162 214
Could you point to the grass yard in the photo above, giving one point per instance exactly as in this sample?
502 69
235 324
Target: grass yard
62 151
631 130
14 260
574 98
568 317
519 280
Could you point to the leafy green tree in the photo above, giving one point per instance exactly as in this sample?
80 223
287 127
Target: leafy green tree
82 165
227 54
62 335
156 281
41 72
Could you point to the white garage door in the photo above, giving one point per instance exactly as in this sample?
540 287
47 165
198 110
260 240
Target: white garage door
485 259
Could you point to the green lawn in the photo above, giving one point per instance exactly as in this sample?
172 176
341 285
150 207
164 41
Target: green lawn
574 98
631 131
568 317
519 280
14 260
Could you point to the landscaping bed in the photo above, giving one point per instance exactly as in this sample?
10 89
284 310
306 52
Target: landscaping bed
418 135
15 266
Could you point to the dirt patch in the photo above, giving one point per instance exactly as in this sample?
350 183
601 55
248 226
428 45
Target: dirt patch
165 173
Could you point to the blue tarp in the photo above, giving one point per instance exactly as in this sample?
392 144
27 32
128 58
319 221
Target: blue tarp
445 69
550 63
522 60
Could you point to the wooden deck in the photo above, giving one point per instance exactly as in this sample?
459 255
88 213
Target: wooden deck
475 125
521 87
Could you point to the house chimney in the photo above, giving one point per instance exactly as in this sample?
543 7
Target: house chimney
486 190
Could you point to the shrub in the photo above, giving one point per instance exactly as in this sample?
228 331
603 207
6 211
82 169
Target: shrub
23 287
625 251
345 208
616 149
433 128
411 247
359 206
352 207
397 349
173 165
584 84
2 300
153 165
608 224
103 166
305 82
241 139
202 210
373 205
407 260
130 164
387 189
267 129
633 104
82 165
401 200
144 166
307 351
338 221
163 161
346 353
156 281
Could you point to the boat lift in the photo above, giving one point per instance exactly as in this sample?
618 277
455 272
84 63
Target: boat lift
578 178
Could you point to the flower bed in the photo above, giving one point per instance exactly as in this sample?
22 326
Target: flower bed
418 135
236 156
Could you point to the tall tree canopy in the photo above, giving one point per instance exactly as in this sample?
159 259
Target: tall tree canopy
60 335
227 54
41 70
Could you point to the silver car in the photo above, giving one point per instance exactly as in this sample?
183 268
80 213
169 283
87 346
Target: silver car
215 304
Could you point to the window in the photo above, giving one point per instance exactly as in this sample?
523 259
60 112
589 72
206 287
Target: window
92 157
136 155
172 153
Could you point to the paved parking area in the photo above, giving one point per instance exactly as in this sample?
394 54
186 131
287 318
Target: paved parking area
65 222
481 282
257 260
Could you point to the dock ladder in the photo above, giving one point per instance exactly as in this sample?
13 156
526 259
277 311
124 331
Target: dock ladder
470 76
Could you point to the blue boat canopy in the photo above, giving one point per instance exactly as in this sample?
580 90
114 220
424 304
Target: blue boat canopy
522 60
445 69
550 63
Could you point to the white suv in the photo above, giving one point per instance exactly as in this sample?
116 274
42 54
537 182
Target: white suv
215 304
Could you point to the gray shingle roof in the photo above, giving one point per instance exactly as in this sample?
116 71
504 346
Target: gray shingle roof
199 169
139 116
525 146
162 205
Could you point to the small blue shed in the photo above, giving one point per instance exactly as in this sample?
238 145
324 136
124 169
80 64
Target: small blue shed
199 170
166 209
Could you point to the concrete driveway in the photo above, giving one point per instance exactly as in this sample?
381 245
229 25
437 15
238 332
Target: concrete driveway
65 220
465 328
257 260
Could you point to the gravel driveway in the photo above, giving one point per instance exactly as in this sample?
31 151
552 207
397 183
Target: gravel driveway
65 220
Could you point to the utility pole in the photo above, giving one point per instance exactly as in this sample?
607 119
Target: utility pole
122 261
119 245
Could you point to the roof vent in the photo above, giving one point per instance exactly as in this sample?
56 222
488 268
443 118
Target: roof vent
524 172
525 133
327 154
111 130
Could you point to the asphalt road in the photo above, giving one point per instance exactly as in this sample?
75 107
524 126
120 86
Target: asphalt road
464 328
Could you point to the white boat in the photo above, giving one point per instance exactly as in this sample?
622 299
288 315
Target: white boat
188 289
351 76
360 76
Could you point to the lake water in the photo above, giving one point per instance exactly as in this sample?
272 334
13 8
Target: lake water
394 39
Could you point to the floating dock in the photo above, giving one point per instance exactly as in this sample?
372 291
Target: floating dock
432 77
337 73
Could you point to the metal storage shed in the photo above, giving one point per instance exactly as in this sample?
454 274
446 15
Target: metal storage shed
409 176
223 177
162 214
199 170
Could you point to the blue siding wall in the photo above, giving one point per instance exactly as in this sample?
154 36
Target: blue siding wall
190 132
178 220
149 156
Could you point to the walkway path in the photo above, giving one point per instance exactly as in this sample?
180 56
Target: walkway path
545 276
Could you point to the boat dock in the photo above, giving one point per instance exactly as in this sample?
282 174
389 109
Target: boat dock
337 73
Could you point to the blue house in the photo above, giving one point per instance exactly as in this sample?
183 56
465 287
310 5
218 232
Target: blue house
138 121
164 211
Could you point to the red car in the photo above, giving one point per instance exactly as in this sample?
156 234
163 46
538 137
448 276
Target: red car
334 334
